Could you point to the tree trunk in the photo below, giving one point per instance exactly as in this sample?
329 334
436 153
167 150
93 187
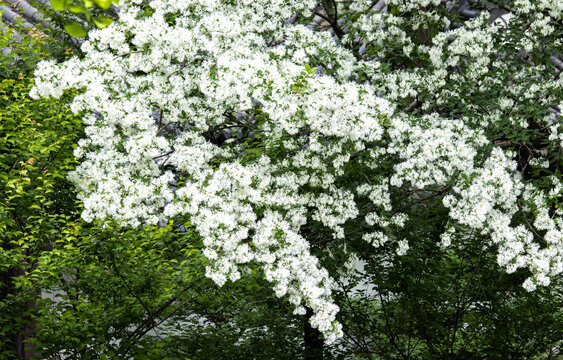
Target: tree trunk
22 327
313 340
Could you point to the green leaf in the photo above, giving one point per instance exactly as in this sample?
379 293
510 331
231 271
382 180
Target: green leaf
78 9
58 5
103 21
104 4
75 30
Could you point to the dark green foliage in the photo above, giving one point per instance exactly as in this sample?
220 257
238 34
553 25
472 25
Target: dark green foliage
445 303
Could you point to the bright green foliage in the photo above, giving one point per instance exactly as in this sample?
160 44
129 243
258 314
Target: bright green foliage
36 138
36 143
58 5
21 56
75 30
68 20
24 47
87 11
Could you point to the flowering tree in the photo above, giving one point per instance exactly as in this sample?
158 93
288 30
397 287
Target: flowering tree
247 120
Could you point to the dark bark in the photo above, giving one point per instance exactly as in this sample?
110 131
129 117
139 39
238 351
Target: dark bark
19 305
313 339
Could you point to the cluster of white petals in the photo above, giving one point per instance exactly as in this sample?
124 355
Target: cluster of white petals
477 98
160 85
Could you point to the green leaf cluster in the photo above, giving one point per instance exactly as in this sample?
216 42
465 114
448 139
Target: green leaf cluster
92 11
36 143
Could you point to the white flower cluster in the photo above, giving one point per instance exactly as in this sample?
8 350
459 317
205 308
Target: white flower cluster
478 73
221 95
